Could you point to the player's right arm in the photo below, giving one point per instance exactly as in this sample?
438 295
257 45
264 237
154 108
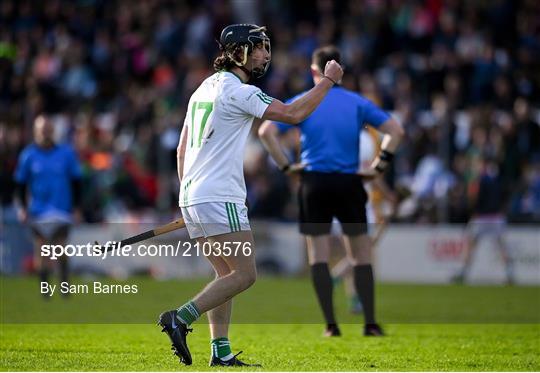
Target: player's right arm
269 135
181 151
300 109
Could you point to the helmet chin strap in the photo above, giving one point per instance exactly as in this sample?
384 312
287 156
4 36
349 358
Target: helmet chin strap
242 64
255 73
248 73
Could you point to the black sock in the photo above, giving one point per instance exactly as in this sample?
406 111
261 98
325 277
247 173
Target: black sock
322 281
363 282
44 277
64 274
64 270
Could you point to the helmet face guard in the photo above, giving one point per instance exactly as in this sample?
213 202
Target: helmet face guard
265 41
247 38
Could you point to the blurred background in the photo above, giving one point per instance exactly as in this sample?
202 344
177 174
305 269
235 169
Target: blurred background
463 77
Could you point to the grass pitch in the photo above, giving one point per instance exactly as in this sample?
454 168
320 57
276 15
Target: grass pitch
440 343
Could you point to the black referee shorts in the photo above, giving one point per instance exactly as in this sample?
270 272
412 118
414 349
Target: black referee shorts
323 196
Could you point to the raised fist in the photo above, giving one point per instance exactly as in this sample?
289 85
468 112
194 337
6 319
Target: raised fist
333 70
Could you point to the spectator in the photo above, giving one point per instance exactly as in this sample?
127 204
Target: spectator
438 65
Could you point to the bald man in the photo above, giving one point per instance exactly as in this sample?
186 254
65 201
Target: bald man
48 178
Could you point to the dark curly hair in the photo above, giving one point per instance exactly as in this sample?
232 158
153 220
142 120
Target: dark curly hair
223 61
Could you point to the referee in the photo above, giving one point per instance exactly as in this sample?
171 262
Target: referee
50 174
332 185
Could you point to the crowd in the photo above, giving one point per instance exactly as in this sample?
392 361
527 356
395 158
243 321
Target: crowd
461 76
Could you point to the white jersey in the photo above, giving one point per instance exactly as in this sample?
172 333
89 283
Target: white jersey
219 118
368 149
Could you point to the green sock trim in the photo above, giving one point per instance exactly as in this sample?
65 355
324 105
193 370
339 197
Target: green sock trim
188 313
221 347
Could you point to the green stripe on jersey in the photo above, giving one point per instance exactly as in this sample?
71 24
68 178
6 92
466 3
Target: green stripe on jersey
193 108
186 191
264 98
264 95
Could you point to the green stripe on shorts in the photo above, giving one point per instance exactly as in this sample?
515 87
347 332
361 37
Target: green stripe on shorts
236 216
233 218
229 216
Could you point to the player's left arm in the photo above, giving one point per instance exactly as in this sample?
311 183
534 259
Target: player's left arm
298 110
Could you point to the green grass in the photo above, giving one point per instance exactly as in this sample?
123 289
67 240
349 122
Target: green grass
274 301
279 347
498 330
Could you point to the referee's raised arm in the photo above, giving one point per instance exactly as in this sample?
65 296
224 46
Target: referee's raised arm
300 109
